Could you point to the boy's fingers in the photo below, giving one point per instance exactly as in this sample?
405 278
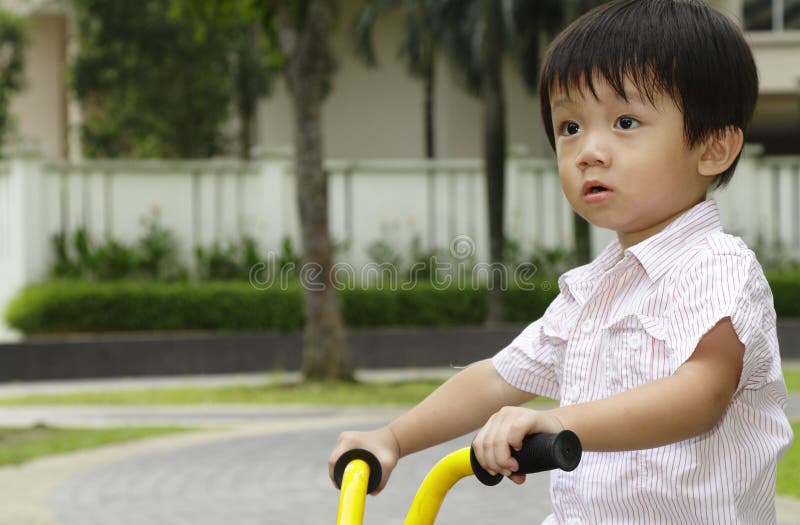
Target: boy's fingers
519 479
483 448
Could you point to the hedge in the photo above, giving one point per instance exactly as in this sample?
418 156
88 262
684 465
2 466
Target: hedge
786 293
81 306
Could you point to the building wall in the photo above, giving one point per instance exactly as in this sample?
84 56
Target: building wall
40 108
378 113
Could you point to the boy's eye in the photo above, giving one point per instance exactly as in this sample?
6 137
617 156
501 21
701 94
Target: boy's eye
570 128
628 123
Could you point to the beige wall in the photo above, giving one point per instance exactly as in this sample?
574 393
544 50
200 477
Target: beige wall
777 57
39 109
377 113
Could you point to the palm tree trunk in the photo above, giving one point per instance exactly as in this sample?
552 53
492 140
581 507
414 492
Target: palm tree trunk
430 140
325 352
494 141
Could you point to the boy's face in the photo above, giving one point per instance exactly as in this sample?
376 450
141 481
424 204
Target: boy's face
625 165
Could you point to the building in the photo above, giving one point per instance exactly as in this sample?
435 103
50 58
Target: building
377 113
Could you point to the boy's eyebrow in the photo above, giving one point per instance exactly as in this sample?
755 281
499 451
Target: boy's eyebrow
632 96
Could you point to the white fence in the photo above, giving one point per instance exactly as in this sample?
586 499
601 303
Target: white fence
392 201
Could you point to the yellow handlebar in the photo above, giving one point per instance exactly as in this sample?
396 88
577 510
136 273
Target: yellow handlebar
435 486
426 504
354 493
359 471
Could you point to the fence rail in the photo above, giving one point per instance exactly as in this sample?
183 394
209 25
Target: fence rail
394 201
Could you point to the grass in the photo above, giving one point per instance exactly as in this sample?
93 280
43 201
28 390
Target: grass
365 393
18 445
377 393
788 482
792 376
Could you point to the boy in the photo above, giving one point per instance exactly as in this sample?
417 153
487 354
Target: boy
663 350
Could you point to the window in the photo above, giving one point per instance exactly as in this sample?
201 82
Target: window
771 15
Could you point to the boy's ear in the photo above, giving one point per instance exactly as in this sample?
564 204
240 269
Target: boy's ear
720 150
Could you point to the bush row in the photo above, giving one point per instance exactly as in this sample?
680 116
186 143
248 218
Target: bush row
81 306
786 293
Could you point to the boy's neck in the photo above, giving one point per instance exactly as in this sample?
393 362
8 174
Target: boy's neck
628 239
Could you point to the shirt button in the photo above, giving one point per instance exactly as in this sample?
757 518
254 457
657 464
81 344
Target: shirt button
587 326
634 342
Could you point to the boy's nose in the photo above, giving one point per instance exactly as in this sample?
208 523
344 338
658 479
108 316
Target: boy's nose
592 153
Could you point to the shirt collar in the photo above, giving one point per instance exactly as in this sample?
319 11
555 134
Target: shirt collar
656 254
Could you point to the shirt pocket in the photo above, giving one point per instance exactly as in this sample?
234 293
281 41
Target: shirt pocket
635 351
554 335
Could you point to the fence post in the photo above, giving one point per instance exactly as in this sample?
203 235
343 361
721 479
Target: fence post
279 198
27 254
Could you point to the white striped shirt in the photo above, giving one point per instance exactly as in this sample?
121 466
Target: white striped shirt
634 316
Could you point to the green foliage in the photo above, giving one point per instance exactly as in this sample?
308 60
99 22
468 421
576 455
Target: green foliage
785 292
434 265
154 256
252 62
421 305
148 86
83 306
13 42
230 262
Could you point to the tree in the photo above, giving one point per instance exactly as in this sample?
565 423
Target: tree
236 25
479 35
301 29
13 41
147 87
294 34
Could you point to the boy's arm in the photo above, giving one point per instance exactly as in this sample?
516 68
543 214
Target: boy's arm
460 405
686 404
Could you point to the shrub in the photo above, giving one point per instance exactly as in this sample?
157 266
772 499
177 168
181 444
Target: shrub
786 293
153 256
81 306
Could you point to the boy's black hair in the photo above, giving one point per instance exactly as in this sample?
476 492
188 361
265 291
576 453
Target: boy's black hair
684 49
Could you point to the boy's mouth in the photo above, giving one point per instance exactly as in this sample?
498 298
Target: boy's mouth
594 187
595 192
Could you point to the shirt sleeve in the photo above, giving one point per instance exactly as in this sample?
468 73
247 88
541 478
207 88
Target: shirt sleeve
726 283
532 360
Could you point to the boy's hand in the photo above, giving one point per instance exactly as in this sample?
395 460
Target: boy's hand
380 442
507 428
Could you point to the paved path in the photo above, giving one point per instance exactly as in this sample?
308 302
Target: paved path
251 466
271 471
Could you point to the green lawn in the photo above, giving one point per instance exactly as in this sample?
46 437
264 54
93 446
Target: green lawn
378 393
18 445
789 468
792 376
367 393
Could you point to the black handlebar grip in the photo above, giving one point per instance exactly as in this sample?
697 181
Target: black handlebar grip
375 472
539 452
